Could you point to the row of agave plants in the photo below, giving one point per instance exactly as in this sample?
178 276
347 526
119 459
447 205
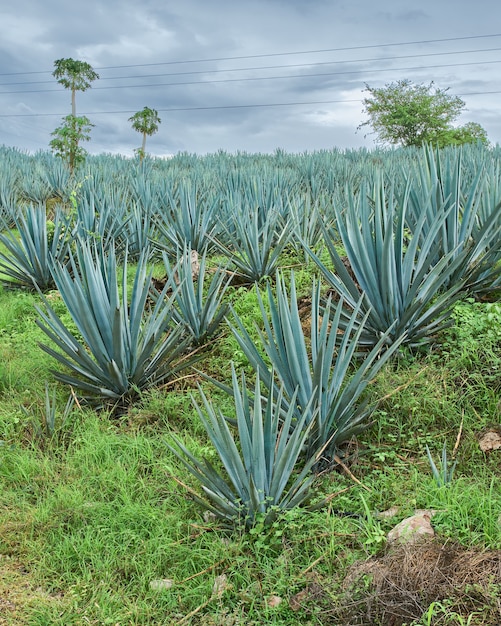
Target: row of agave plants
258 178
411 248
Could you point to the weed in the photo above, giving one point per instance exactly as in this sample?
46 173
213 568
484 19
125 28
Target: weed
374 535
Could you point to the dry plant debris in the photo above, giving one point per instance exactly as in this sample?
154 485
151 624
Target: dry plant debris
398 587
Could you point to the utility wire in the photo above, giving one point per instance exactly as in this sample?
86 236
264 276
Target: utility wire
254 79
276 54
227 106
205 108
269 67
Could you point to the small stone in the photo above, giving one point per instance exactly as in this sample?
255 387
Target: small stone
220 585
273 601
412 529
391 512
490 440
209 517
160 584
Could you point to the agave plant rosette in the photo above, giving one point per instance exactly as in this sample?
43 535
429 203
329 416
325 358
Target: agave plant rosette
121 346
261 462
319 374
471 228
189 219
41 244
401 284
198 308
254 249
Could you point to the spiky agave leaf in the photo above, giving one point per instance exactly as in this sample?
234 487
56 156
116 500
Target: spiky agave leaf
121 347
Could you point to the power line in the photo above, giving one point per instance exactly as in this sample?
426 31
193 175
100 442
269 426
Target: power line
204 108
259 78
270 67
227 106
310 75
275 54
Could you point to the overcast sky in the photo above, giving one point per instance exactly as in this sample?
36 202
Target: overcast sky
240 75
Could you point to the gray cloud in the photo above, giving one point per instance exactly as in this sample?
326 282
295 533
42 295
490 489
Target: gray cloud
214 38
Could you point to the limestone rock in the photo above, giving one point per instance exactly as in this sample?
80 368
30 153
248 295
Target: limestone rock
490 440
412 529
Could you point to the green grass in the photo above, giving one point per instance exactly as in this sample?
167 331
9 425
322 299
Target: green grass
90 517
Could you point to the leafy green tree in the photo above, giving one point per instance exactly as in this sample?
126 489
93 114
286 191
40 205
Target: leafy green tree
469 133
67 138
145 122
403 113
75 75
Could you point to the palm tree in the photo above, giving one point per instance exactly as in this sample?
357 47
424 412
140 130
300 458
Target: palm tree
145 122
76 76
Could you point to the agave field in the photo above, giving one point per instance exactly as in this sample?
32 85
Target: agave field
225 378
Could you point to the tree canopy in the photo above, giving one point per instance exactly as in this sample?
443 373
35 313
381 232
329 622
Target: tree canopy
67 139
74 75
407 114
